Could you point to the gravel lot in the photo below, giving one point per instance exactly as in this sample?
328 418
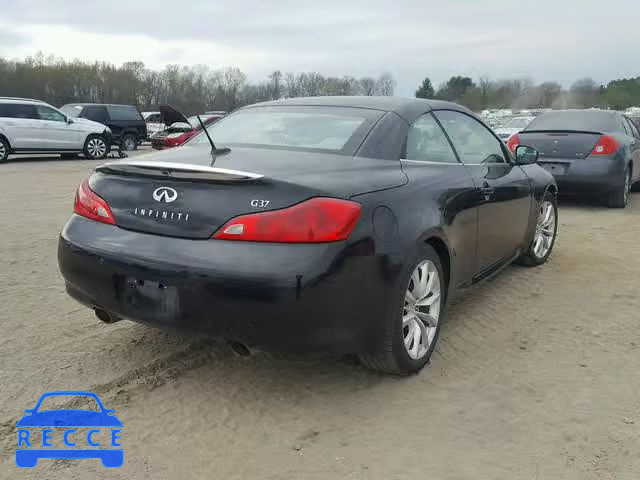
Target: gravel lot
536 376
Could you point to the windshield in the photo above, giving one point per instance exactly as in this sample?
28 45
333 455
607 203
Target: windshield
334 129
518 122
71 110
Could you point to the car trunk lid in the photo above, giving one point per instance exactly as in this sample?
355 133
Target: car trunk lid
568 144
170 115
180 194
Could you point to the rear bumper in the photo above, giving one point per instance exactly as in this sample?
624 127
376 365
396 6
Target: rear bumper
588 176
296 298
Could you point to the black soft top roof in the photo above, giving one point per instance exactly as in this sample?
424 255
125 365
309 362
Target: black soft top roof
408 108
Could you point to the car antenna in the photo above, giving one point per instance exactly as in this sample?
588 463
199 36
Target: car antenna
214 150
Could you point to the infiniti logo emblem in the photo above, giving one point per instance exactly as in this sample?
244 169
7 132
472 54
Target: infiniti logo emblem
165 194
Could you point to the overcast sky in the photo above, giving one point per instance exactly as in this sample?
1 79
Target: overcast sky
541 39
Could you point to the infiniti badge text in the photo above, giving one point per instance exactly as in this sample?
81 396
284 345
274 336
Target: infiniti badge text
161 214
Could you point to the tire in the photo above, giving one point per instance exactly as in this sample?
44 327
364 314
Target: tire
620 197
534 255
4 150
92 151
129 142
394 356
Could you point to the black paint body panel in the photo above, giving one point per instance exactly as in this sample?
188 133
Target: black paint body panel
301 297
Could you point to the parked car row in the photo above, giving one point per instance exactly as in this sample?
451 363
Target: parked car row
33 126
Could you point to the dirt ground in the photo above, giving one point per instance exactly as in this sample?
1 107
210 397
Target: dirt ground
536 375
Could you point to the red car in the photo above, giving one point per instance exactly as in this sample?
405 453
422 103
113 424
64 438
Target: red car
181 130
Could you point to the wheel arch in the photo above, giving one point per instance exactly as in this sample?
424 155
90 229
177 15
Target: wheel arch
442 249
6 139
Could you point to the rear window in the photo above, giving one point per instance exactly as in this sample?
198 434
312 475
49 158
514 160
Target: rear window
123 112
585 120
331 129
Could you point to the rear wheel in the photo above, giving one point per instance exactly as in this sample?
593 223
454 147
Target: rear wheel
129 142
544 237
412 327
4 150
620 197
95 147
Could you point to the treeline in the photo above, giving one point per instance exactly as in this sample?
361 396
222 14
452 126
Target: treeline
199 88
523 93
190 89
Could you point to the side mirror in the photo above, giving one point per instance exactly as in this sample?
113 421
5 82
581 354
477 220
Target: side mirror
69 120
526 155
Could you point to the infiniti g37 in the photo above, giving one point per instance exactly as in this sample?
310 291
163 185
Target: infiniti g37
337 225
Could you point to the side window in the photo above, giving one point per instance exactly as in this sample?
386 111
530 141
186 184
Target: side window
123 113
426 142
48 113
474 143
155 118
97 114
18 110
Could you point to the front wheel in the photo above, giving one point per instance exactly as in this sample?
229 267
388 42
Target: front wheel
544 237
95 147
620 197
412 327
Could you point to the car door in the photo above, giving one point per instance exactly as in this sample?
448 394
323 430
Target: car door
504 190
20 126
56 132
635 147
438 178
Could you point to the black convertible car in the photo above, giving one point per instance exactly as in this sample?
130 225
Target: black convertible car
316 224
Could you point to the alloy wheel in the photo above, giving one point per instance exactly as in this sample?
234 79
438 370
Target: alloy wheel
129 143
421 310
545 230
96 147
3 150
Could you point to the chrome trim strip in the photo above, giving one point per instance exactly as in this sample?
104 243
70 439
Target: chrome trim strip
184 167
431 163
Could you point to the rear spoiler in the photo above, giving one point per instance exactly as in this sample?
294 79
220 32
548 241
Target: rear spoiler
589 132
177 170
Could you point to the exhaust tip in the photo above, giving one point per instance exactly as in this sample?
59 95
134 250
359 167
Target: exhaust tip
105 316
240 349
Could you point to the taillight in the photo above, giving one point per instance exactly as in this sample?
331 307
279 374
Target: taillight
606 146
313 221
90 205
513 142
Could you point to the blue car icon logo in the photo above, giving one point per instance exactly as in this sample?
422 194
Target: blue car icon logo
35 430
